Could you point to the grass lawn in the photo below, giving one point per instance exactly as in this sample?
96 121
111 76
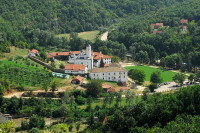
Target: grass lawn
166 75
14 51
89 35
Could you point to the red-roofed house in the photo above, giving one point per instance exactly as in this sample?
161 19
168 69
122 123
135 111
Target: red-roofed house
33 52
77 80
183 24
156 26
75 69
106 87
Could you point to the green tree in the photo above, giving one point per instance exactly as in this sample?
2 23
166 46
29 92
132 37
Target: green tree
115 59
34 130
152 87
36 122
54 85
179 78
78 126
156 77
94 88
62 66
138 75
7 127
101 63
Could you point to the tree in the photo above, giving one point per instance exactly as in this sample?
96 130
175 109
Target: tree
34 130
192 77
101 63
156 77
115 59
94 88
80 100
7 127
54 85
62 66
60 128
152 87
24 125
64 111
138 75
78 126
70 127
36 122
145 93
179 78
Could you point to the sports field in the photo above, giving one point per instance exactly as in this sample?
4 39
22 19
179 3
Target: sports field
165 74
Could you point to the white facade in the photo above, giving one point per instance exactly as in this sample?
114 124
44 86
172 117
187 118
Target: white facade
87 62
97 62
31 54
83 58
117 76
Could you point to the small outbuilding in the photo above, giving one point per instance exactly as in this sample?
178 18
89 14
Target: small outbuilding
77 80
33 52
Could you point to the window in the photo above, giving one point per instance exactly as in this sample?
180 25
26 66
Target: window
103 77
103 73
109 77
114 73
114 77
108 73
124 76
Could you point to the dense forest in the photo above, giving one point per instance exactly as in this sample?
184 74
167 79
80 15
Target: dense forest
28 24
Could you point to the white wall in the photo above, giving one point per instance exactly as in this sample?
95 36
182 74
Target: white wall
87 62
107 61
31 54
110 76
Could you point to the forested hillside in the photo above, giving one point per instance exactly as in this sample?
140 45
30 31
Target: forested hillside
172 47
64 16
29 24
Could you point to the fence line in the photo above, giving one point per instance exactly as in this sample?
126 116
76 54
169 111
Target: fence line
47 65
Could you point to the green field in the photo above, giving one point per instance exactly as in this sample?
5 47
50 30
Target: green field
90 35
166 75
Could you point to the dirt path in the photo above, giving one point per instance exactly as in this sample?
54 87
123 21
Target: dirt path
105 36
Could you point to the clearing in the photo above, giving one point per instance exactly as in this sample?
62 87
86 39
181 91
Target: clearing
165 74
89 35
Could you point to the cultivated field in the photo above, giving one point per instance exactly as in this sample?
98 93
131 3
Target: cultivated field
89 35
166 75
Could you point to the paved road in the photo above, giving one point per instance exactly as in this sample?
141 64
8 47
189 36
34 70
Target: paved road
105 36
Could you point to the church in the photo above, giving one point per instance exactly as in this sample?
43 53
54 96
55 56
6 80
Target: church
85 57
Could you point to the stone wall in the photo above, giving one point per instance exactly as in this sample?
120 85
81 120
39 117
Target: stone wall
47 65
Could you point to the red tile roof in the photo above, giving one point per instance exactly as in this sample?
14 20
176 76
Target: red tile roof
106 65
34 51
157 25
96 55
104 121
75 67
78 78
184 21
99 55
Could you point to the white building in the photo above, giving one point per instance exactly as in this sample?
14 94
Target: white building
76 69
84 58
117 74
89 58
33 52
